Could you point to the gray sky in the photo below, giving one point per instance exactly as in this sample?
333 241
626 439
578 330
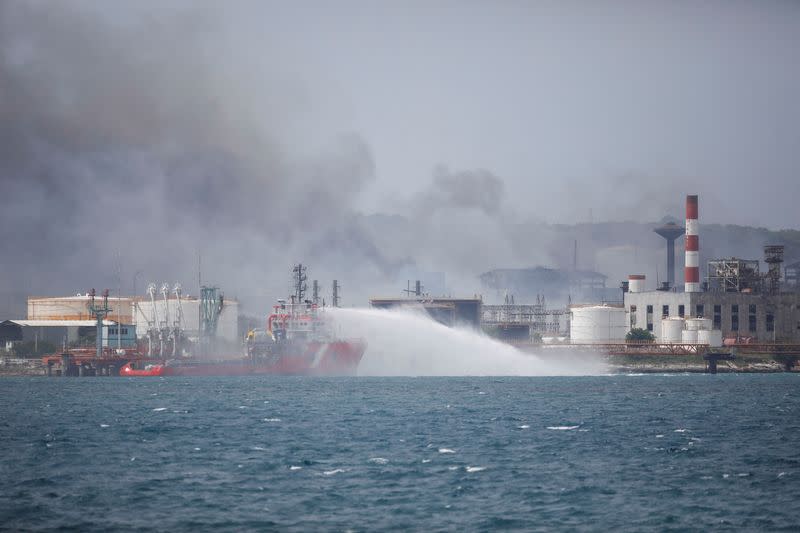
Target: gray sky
575 105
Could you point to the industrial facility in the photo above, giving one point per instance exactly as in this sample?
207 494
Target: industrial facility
160 320
551 283
726 302
737 302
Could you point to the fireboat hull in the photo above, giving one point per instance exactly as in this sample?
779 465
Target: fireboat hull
339 358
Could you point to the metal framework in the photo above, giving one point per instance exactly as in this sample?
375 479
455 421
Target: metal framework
211 303
734 275
537 316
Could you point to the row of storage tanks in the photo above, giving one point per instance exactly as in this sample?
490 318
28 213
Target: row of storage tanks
690 331
605 323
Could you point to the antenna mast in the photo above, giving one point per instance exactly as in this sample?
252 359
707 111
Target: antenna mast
300 286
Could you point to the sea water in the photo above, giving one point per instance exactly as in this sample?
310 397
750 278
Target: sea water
608 452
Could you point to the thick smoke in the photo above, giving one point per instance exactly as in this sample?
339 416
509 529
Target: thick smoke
164 146
143 145
478 189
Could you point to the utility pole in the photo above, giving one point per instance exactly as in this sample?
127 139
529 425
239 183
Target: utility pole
119 302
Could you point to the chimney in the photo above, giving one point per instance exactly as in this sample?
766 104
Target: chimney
691 273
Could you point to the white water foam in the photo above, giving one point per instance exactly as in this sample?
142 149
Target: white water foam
334 471
471 469
446 450
158 409
378 460
409 343
562 428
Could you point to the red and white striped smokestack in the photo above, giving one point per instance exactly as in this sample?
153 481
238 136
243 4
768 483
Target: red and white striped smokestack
691 273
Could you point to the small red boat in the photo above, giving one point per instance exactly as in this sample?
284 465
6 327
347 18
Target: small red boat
149 370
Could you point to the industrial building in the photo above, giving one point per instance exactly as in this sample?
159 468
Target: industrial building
69 320
556 285
737 299
69 332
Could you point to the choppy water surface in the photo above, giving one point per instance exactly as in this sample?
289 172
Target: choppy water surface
621 452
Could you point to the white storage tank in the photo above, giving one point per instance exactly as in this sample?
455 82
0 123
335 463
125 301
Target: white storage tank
598 324
636 282
76 308
689 336
671 328
712 337
697 324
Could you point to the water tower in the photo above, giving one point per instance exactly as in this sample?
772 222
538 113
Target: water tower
670 231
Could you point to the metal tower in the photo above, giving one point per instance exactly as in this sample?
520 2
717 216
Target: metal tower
336 298
100 313
211 303
670 232
773 257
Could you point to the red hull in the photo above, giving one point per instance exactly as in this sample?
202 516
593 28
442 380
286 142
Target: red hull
339 358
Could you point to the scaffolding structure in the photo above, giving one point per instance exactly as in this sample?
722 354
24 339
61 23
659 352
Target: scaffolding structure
773 256
537 316
734 275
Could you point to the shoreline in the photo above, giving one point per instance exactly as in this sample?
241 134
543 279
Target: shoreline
35 368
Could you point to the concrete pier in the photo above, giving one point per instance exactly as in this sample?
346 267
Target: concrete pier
711 359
